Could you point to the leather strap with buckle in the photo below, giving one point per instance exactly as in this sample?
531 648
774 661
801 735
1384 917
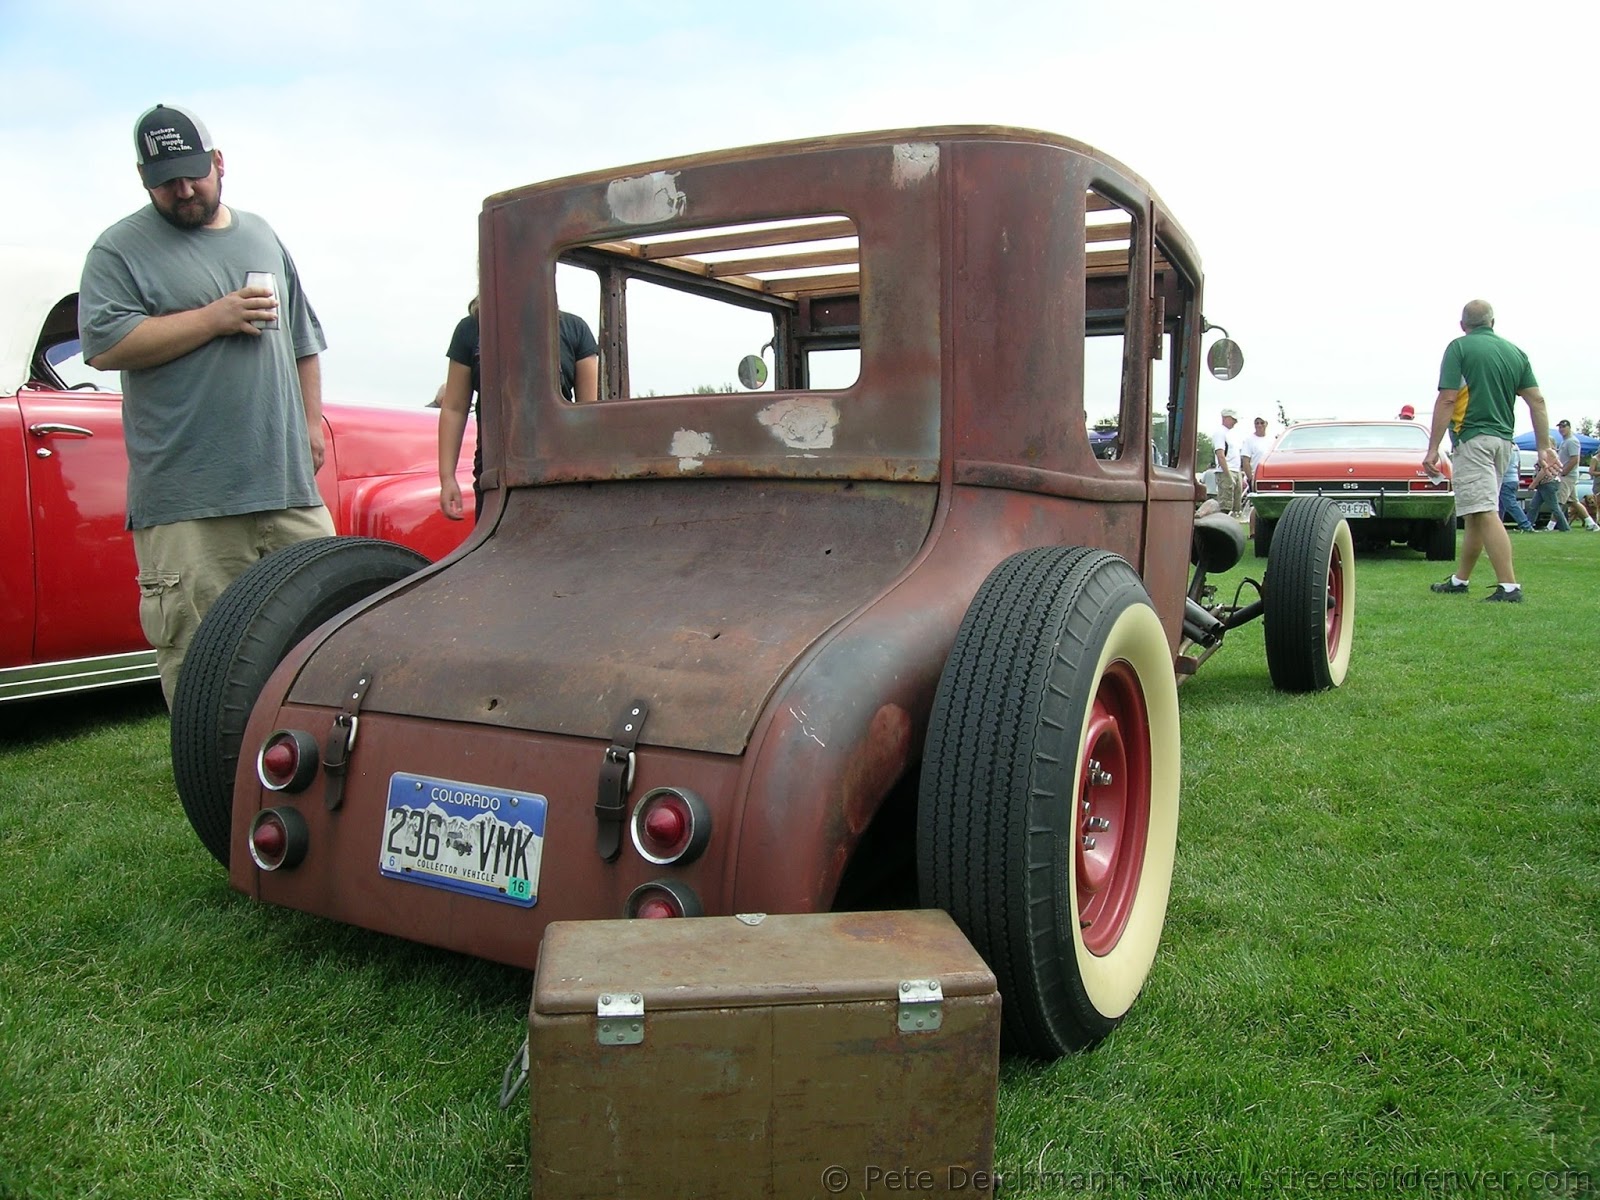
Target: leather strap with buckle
616 779
342 740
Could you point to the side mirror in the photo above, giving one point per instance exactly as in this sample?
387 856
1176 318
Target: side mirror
1225 359
752 371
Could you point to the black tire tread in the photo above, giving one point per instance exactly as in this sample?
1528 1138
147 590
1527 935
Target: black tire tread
981 780
1263 536
1294 595
1440 544
241 641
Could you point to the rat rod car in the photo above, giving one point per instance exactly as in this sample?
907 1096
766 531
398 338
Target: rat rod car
878 625
69 594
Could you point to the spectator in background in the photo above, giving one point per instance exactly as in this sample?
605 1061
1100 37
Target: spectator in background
580 383
1568 453
1253 449
222 385
1542 496
1510 506
1229 446
1407 413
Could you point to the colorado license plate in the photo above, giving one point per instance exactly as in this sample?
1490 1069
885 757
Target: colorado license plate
1355 508
463 837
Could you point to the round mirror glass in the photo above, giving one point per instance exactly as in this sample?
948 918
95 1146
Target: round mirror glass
752 371
1225 359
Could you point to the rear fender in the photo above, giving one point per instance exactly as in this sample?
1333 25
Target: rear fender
402 508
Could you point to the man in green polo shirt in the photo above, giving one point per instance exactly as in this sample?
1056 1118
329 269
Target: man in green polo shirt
1479 380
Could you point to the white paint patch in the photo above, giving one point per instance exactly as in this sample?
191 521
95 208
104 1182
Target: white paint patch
690 447
914 162
801 422
646 199
805 726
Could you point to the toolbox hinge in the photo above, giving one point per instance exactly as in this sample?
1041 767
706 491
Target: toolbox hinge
342 740
620 1018
616 780
921 1005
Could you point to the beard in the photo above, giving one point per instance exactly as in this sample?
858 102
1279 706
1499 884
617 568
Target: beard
193 213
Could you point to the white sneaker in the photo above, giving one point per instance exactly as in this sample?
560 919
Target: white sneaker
1591 527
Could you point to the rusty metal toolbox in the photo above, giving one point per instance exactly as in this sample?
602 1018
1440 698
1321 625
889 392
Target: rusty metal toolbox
761 1056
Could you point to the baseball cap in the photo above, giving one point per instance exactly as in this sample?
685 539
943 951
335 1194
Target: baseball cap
1407 412
1228 412
1563 424
171 141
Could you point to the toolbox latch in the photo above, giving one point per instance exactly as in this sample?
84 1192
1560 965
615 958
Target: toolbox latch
921 1005
620 1019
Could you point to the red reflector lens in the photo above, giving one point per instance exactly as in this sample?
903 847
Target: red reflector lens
278 838
671 826
287 760
278 760
665 824
270 839
663 898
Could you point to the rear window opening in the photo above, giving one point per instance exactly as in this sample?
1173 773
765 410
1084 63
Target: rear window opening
763 306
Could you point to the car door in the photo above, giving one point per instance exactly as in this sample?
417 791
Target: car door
86 594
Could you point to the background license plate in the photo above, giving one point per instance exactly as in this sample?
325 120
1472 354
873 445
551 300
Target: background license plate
1355 508
463 837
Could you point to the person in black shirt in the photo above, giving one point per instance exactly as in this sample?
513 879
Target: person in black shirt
580 383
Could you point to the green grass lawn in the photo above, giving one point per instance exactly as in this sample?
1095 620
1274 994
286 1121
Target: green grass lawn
1381 956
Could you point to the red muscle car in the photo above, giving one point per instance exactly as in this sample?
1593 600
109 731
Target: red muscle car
69 606
1372 470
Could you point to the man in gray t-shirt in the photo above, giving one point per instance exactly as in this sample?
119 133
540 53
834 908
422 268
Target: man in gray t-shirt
222 390
1569 452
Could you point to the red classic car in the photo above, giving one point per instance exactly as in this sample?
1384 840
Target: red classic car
69 618
1372 470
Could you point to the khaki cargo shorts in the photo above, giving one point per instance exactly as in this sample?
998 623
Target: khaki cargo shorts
185 566
1476 469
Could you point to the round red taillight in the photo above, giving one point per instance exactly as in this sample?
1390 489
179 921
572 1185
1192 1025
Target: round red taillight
278 760
269 840
670 826
278 838
287 761
666 824
663 898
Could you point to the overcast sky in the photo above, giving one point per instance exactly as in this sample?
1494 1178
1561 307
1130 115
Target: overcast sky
1351 174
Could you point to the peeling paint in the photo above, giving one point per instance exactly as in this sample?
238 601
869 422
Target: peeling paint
690 447
914 162
802 422
646 199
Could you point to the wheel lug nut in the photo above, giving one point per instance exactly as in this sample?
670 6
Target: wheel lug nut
1088 843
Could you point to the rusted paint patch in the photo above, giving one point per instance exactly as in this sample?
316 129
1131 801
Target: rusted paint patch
802 422
690 447
875 765
914 162
646 199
